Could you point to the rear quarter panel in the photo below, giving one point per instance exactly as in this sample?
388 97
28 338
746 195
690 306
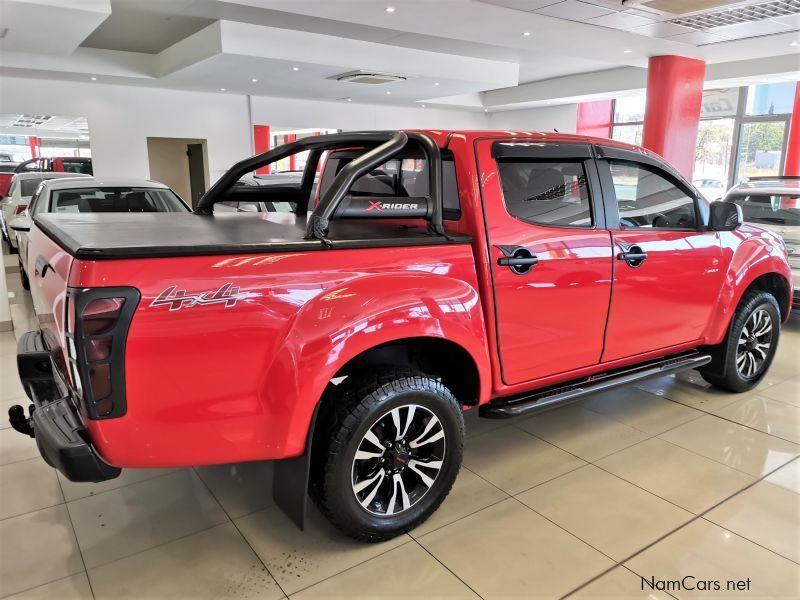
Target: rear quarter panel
210 384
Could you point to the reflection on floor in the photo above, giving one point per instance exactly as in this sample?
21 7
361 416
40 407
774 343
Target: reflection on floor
664 481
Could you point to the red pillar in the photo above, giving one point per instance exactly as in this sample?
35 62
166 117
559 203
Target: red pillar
672 113
33 144
792 166
594 118
261 139
293 158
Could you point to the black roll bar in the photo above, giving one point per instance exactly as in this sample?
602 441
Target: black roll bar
391 144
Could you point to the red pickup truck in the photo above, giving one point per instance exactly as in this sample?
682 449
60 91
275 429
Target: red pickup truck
429 273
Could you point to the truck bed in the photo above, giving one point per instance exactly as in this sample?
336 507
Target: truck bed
98 236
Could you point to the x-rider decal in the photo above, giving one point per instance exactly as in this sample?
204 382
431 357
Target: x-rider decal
177 299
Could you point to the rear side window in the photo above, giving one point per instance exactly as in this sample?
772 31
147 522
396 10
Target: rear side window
28 186
649 200
93 200
404 178
77 166
546 193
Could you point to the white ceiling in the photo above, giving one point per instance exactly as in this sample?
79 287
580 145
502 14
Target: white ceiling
468 47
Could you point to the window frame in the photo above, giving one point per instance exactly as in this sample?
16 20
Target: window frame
554 152
608 154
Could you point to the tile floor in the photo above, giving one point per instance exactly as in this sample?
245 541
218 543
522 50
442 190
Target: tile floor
664 480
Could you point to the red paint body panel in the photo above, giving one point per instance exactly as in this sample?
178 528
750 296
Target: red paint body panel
5 182
209 384
672 112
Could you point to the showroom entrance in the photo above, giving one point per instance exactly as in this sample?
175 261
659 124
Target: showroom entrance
181 163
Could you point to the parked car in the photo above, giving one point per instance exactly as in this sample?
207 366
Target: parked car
774 204
7 171
58 164
83 194
7 157
17 197
431 272
712 189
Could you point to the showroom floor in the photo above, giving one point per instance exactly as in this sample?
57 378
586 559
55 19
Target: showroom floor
666 480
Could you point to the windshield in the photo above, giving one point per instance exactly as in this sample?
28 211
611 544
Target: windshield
770 210
116 199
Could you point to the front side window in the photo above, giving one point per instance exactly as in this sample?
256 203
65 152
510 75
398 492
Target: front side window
117 199
646 199
546 193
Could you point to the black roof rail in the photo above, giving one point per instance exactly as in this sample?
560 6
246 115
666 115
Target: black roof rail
774 178
383 146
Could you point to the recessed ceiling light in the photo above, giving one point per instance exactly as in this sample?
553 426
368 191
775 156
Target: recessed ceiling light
390 9
349 99
295 68
627 51
485 110
254 80
423 106
222 89
94 78
793 44
526 33
388 93
437 83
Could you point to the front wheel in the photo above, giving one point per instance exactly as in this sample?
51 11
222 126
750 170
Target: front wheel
750 345
392 453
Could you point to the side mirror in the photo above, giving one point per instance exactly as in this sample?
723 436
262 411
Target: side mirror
725 216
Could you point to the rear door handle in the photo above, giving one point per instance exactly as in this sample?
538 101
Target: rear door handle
42 266
520 260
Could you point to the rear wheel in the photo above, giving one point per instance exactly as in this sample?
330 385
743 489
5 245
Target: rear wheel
749 347
392 451
26 284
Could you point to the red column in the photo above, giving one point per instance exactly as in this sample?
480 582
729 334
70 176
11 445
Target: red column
792 166
672 113
594 118
33 144
293 158
261 138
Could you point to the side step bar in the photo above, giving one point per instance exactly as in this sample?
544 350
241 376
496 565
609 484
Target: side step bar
514 406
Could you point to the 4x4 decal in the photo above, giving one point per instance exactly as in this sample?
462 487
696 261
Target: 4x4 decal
176 299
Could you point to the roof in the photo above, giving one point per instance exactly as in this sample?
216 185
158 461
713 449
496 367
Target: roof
101 182
45 175
766 187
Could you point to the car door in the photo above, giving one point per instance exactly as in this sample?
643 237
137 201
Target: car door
550 255
667 272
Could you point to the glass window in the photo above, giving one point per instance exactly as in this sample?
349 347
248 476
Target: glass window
407 177
630 109
712 158
630 134
646 199
770 210
116 199
760 149
77 166
771 98
546 193
28 186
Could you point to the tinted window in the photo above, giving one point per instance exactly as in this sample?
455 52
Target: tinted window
770 210
547 193
115 200
407 177
646 199
28 186
77 166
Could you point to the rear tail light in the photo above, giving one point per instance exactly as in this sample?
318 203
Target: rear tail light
20 209
98 321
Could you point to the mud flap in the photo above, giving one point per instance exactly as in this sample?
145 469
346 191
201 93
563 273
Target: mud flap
290 479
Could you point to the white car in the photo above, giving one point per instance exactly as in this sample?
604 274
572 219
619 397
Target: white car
712 189
91 194
774 204
20 190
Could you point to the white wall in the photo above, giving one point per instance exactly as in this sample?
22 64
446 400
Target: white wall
564 118
121 118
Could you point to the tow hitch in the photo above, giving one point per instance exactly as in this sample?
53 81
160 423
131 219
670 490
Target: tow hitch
18 420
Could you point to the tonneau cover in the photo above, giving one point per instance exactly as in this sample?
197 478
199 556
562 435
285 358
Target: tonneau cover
146 235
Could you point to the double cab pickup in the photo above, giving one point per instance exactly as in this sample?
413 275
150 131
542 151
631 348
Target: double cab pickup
425 273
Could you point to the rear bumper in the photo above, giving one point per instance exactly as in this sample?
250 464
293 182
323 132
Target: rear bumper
60 435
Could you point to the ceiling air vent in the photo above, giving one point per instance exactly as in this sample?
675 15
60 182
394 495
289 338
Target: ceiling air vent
367 78
743 14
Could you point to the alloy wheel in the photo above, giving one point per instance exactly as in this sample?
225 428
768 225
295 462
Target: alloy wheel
754 344
398 460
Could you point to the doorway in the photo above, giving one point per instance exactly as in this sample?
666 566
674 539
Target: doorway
180 163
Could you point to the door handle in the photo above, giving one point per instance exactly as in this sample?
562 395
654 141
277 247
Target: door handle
41 266
520 260
633 256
